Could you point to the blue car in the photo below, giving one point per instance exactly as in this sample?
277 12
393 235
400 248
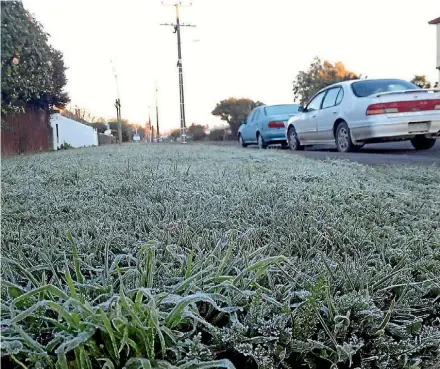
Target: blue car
266 125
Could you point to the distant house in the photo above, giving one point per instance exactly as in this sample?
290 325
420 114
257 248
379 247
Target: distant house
71 132
436 22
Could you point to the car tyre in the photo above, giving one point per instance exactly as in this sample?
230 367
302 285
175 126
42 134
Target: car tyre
261 143
292 140
423 143
241 141
343 138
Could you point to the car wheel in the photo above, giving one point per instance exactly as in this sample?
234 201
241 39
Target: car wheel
261 143
343 138
292 140
241 141
423 143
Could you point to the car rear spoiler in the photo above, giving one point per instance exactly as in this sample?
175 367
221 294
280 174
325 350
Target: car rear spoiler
432 90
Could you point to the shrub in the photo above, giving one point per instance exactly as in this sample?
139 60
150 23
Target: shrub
196 132
32 71
220 134
66 146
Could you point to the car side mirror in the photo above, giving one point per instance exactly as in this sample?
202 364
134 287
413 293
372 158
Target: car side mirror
302 109
243 121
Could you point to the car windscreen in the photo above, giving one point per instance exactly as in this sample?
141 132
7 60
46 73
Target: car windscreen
377 86
281 109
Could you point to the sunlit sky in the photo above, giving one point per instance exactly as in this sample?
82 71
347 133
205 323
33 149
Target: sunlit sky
241 48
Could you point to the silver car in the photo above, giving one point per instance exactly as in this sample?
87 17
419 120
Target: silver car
353 113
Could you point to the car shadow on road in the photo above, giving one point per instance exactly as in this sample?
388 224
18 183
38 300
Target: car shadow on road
366 150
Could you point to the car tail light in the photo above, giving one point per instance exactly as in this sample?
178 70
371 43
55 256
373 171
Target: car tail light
403 106
276 124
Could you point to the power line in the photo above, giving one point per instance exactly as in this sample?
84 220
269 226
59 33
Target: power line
176 27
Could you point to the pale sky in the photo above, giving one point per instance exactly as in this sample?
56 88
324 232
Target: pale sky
245 48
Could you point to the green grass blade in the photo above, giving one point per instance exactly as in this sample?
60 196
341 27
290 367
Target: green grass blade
387 318
138 363
209 364
62 361
260 264
23 270
107 364
46 289
110 331
28 340
69 281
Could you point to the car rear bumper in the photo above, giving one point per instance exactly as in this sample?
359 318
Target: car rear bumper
404 129
276 135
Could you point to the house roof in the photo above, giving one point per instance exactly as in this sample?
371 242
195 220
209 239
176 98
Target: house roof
435 21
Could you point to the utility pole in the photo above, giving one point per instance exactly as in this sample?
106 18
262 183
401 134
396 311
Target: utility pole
118 105
157 117
176 27
118 117
149 124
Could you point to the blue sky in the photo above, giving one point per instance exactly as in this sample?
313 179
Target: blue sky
239 48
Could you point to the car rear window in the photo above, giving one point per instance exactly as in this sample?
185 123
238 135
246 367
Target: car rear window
376 86
281 109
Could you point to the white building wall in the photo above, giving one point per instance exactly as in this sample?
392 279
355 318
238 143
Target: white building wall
76 134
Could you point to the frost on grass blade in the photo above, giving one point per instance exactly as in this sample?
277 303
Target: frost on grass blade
279 262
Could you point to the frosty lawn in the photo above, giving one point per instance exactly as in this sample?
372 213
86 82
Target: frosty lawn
171 256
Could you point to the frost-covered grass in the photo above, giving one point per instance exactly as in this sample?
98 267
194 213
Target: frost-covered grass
201 256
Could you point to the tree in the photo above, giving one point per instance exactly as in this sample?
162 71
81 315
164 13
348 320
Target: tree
197 131
319 75
234 110
32 71
220 134
100 127
175 134
421 81
128 129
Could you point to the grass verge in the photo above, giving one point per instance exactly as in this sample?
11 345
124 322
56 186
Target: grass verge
212 257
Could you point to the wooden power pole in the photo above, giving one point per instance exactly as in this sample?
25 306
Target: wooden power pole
118 117
118 105
176 27
157 117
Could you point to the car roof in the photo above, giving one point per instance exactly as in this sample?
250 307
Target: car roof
268 106
351 81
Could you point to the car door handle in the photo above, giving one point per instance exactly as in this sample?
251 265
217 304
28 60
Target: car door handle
334 112
314 116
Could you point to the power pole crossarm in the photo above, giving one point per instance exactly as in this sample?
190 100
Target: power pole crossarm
176 27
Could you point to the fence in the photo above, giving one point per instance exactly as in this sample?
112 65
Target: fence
106 139
26 132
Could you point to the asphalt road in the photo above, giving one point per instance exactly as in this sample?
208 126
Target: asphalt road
392 153
379 154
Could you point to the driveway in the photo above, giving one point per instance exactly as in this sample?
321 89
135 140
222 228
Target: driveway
379 154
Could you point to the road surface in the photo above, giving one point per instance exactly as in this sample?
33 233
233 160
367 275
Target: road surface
380 154
391 153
